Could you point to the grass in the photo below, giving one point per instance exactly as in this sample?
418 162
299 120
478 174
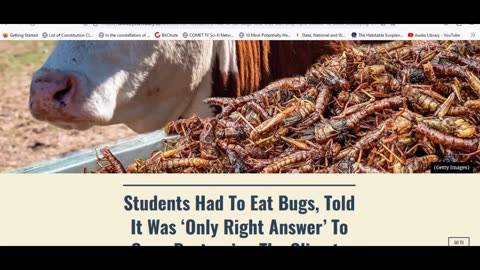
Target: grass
16 54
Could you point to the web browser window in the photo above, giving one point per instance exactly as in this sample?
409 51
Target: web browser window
332 116
326 98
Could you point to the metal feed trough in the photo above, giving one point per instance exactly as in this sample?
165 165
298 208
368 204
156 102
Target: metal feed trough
126 150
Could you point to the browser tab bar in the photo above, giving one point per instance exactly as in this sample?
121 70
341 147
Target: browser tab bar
241 31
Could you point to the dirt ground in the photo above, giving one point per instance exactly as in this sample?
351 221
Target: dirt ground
24 140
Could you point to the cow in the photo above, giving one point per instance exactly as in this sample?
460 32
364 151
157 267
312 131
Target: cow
145 84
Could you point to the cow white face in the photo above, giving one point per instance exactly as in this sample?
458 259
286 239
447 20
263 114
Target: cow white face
140 83
83 82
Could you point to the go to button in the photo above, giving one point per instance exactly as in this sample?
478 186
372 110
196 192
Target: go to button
459 241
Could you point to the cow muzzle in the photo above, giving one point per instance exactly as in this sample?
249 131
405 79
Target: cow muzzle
51 94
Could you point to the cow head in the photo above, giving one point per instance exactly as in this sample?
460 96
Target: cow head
143 84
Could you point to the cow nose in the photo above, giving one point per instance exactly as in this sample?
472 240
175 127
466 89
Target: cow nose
52 87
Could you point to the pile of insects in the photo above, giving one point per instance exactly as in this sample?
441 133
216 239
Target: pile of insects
393 107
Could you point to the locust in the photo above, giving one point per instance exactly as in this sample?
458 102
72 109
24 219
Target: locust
386 107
